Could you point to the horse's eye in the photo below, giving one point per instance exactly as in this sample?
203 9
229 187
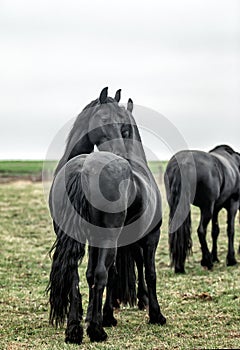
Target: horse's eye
125 134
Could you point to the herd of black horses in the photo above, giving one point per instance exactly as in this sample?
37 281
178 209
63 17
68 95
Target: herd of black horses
108 199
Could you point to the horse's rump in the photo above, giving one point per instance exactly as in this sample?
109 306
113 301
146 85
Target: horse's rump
90 196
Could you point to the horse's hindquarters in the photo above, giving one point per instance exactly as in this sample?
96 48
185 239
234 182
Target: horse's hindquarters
107 182
90 196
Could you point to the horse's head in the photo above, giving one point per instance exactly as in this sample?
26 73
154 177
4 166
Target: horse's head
109 126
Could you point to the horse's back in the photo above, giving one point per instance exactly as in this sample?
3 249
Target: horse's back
199 173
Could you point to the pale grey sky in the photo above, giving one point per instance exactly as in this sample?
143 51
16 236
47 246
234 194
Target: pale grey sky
180 58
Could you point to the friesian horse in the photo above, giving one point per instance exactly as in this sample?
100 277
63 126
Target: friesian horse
107 199
210 181
81 141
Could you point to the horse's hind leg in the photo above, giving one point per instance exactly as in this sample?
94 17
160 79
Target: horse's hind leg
142 293
206 215
149 244
108 318
74 331
231 214
215 233
106 257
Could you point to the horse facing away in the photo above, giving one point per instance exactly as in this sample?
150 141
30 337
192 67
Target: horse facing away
210 181
108 199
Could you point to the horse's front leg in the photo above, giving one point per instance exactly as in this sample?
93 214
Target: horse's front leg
74 331
149 245
106 257
231 214
215 233
92 262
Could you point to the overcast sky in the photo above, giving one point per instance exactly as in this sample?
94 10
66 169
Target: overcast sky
180 58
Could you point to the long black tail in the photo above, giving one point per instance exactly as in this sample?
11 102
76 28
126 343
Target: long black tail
125 289
68 251
67 254
180 242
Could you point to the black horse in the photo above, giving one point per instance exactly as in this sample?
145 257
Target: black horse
81 141
210 181
108 199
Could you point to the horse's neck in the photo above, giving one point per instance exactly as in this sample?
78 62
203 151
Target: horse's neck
77 143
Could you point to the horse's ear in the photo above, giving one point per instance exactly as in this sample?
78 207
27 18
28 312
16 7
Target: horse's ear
130 105
103 95
117 95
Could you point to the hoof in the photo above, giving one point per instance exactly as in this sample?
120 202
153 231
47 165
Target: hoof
74 334
214 258
207 264
96 333
109 321
143 302
160 319
231 261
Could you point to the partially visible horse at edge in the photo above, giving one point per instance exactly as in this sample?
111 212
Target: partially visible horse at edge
82 201
210 181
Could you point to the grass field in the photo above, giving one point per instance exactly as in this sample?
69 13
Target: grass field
31 169
19 167
24 169
202 307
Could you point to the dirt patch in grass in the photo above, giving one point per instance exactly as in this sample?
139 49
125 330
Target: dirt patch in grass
17 178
